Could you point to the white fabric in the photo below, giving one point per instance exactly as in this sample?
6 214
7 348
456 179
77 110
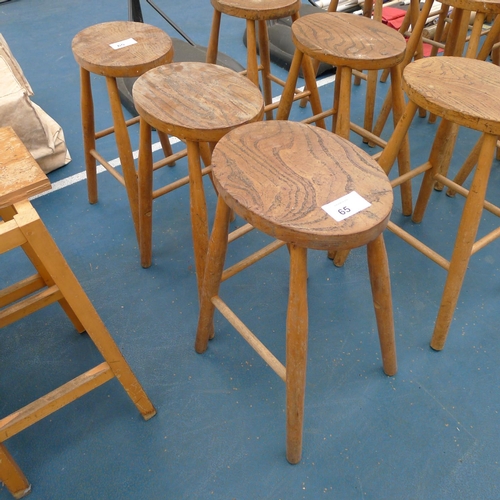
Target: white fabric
40 133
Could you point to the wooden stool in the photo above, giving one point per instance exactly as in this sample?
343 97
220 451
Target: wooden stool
20 178
278 175
257 13
349 43
199 103
463 92
118 49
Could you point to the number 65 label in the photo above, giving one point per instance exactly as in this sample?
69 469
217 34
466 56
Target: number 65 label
347 205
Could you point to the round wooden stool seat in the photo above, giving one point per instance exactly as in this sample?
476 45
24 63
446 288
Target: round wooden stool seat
463 91
196 101
199 103
148 47
282 177
345 40
258 10
279 174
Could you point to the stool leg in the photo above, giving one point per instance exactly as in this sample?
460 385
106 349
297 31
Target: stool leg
125 152
404 151
199 217
145 184
287 95
12 476
378 267
88 127
216 256
296 352
265 60
213 42
45 248
466 236
343 123
440 153
252 64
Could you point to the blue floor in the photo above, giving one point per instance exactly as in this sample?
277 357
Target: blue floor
430 432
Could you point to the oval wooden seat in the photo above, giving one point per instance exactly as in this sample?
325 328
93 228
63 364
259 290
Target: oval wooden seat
92 48
342 39
278 175
256 13
199 103
257 9
117 49
464 91
284 198
196 101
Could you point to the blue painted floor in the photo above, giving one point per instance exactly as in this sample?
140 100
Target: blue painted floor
430 432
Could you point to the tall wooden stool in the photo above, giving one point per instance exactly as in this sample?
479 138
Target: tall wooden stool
119 49
349 43
199 103
257 13
20 226
279 175
463 92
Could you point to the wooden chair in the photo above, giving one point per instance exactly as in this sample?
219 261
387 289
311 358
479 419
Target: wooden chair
199 103
118 49
256 13
463 92
21 227
278 175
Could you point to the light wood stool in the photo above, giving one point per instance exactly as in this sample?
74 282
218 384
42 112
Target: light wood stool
20 226
119 49
277 175
199 103
463 92
257 13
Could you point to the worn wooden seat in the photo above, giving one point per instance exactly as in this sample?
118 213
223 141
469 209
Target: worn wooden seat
257 13
278 175
53 281
118 49
199 103
463 92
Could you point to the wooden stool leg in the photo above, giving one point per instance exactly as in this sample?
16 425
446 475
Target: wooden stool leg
378 267
166 146
343 124
88 127
404 164
296 352
467 166
464 242
199 217
265 61
145 185
440 153
125 152
252 63
12 476
216 256
287 95
45 248
371 95
213 43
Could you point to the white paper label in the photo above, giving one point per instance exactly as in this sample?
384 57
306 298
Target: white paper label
346 206
123 43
